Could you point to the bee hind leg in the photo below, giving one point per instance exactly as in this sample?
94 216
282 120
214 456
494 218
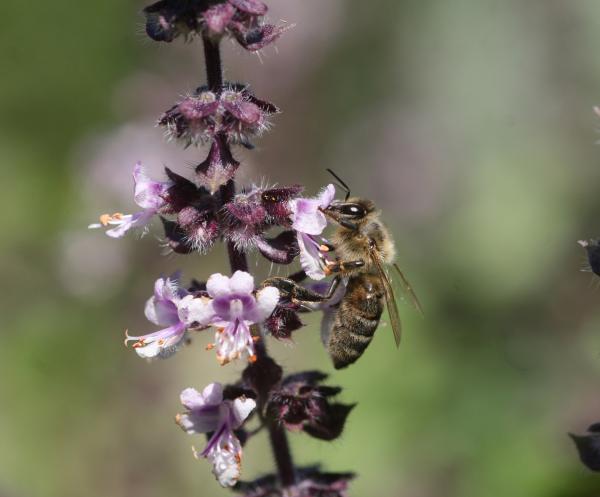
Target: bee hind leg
300 294
292 290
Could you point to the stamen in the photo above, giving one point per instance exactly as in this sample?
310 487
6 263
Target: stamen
252 359
105 219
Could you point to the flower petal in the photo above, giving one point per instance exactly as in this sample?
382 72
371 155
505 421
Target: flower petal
242 407
161 312
203 421
217 285
213 394
196 310
266 301
310 257
307 218
137 220
148 193
192 398
326 196
241 283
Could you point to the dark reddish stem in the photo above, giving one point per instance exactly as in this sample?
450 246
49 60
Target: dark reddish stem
239 262
214 71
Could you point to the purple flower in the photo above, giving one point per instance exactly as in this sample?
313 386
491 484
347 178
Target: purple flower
232 307
148 194
308 221
208 412
167 307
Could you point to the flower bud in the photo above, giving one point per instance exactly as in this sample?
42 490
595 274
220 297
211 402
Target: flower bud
232 113
310 483
176 238
275 201
283 321
242 19
218 168
592 248
588 446
302 404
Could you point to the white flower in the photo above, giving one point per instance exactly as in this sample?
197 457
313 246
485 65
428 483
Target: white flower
232 307
162 310
148 194
209 412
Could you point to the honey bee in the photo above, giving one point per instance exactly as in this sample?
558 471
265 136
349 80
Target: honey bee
363 249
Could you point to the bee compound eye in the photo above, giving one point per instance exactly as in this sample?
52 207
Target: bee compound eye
353 210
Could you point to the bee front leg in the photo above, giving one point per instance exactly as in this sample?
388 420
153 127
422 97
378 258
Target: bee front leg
340 266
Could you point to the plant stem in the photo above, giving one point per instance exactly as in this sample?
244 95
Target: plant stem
212 57
239 262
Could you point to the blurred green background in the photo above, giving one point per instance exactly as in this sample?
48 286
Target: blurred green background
468 121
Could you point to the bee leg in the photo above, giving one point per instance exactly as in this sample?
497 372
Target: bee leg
298 277
335 283
339 266
293 291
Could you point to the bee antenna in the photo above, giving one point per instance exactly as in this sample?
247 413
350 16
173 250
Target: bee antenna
342 184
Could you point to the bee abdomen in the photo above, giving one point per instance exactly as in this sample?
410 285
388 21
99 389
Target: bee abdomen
350 336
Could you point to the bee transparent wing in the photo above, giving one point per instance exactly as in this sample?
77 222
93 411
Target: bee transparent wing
327 322
390 299
407 287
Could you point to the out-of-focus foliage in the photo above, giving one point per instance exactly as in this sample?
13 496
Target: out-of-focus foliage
469 122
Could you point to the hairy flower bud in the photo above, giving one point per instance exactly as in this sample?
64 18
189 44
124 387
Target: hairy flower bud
302 404
275 201
201 227
218 168
241 19
247 209
233 113
283 321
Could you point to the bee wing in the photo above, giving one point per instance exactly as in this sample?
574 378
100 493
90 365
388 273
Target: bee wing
407 287
390 299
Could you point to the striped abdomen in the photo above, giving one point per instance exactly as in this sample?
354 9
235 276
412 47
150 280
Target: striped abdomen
356 319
